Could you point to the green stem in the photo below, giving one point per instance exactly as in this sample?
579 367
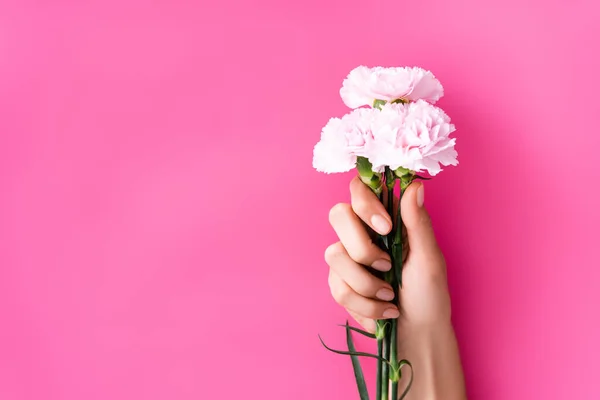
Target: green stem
385 376
387 343
379 366
397 246
394 359
392 279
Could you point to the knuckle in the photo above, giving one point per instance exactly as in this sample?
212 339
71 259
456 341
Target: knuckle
334 251
331 282
360 206
341 293
365 289
338 211
365 253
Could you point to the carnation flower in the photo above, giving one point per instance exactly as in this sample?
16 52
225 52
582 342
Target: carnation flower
365 85
343 140
412 136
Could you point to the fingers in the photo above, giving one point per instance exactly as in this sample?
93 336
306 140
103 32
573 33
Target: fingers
421 238
367 323
355 238
355 303
355 275
369 208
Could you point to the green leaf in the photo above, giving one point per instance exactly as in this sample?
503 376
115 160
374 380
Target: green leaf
401 364
364 333
358 373
354 353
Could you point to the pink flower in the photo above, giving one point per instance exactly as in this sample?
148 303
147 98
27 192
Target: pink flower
414 136
342 140
365 85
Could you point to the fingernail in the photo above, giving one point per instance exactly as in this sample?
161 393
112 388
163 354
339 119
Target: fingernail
380 224
382 265
420 195
391 313
385 294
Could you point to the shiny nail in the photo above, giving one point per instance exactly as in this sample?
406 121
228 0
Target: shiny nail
385 294
421 195
391 313
382 265
380 224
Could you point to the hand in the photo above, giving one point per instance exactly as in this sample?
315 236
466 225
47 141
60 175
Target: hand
424 299
425 334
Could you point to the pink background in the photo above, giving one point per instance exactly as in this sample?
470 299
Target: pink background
162 229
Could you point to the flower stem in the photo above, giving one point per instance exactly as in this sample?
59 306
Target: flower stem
385 376
379 362
394 359
388 367
390 337
381 324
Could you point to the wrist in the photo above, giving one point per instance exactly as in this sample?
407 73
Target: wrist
433 352
423 336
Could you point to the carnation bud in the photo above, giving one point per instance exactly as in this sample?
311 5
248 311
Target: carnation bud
372 179
405 175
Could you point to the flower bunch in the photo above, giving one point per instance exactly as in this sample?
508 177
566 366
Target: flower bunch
403 129
399 134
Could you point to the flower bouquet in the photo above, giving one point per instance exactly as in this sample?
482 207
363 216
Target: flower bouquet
394 133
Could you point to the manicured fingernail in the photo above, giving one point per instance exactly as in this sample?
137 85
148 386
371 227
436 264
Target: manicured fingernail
391 313
380 224
385 295
421 195
382 265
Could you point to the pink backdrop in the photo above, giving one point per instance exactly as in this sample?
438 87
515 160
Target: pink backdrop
162 229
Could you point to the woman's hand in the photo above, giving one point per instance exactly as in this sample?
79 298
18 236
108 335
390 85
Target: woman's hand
425 334
424 298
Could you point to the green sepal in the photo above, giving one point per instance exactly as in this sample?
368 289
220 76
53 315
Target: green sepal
380 329
378 103
401 171
367 176
364 166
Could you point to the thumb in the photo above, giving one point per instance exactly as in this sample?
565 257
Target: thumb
421 237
